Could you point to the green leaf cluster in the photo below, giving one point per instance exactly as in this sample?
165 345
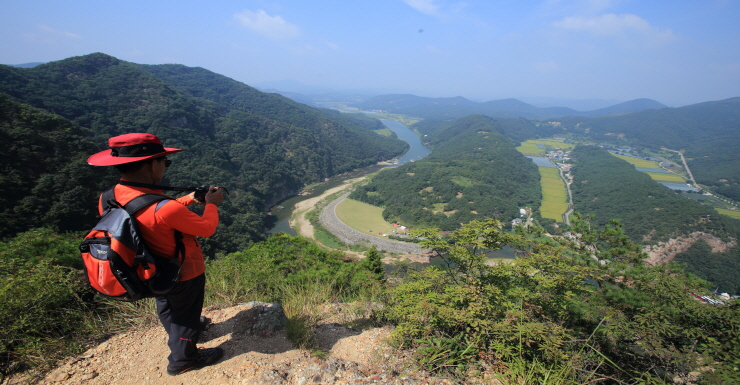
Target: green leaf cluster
558 312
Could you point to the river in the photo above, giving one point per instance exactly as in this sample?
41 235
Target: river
282 212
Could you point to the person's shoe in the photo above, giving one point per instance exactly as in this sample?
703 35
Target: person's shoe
205 323
205 357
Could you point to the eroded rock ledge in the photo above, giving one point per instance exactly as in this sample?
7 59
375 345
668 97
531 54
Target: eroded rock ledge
665 252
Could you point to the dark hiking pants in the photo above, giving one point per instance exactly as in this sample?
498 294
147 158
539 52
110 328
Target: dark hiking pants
179 311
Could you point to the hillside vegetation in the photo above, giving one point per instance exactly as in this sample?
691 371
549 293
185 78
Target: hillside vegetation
473 172
611 189
262 147
707 133
552 316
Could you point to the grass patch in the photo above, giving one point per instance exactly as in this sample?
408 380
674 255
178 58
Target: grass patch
463 181
731 213
384 132
363 217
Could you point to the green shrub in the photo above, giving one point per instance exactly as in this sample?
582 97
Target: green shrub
40 310
45 245
563 320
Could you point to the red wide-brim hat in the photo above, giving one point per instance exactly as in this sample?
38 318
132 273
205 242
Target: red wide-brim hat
130 148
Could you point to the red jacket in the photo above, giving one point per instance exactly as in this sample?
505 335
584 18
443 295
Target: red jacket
158 227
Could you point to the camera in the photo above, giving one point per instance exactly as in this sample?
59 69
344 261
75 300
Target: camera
200 193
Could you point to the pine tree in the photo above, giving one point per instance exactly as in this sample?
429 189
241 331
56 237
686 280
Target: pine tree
373 264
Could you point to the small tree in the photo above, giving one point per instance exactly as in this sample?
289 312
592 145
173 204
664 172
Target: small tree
373 264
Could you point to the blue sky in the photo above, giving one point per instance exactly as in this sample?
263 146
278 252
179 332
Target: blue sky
677 52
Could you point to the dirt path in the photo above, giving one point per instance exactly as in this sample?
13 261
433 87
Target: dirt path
140 356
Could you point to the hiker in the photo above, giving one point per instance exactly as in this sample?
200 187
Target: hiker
142 159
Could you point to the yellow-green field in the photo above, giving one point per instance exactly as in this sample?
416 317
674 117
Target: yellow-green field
731 213
384 132
657 176
663 177
530 146
638 162
363 217
554 195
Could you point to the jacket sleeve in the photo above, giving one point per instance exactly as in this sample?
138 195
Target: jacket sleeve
179 217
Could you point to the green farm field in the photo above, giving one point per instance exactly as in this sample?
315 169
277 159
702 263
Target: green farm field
663 177
554 196
363 217
731 213
657 176
530 146
638 162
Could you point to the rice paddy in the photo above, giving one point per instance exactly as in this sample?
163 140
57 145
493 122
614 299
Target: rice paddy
530 146
663 177
638 162
657 176
554 195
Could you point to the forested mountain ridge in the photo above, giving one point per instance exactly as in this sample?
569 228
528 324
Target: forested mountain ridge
45 180
457 107
261 159
208 85
611 189
473 172
707 133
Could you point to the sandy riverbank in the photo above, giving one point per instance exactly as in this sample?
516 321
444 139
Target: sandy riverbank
300 223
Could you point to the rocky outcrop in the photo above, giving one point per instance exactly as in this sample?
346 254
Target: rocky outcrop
665 252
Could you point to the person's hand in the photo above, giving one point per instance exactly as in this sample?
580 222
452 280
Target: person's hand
215 195
192 197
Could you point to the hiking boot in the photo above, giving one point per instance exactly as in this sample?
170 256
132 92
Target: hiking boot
206 357
205 323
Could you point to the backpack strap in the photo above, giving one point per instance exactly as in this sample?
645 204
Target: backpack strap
141 202
146 200
108 199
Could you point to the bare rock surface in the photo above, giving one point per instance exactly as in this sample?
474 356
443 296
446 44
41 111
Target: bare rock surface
665 252
256 351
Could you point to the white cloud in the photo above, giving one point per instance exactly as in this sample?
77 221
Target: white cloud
331 45
272 27
46 28
614 25
424 6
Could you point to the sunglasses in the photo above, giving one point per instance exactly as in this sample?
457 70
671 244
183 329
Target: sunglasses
167 162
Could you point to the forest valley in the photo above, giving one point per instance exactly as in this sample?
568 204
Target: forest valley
578 305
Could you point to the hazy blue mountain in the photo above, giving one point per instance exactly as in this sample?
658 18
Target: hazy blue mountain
457 107
26 65
627 107
576 104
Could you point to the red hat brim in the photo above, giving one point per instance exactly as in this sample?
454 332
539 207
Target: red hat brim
104 158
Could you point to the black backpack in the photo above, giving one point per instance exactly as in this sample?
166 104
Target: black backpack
117 262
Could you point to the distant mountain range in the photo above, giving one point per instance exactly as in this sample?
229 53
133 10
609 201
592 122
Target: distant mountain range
26 65
457 107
